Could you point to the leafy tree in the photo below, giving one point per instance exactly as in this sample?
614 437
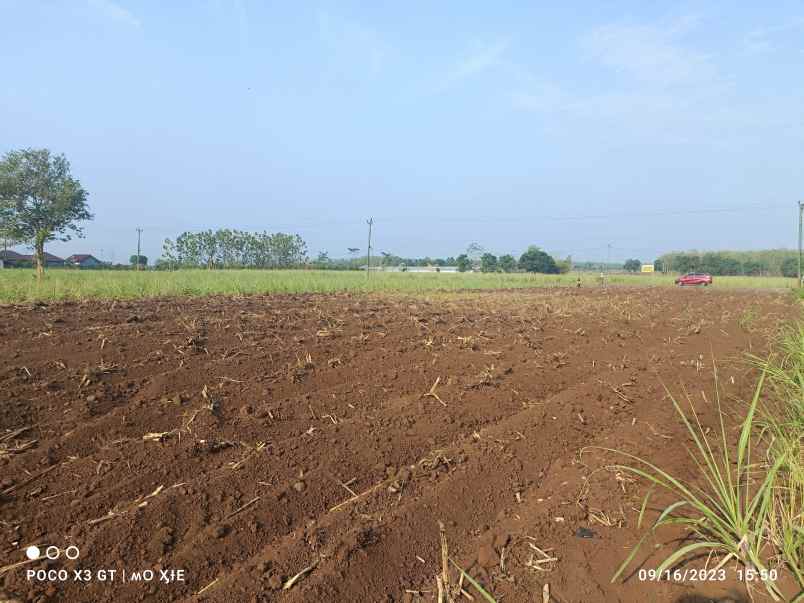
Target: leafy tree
507 263
168 253
565 265
536 260
790 267
632 265
463 262
138 259
7 238
226 242
208 244
658 265
751 267
40 201
289 250
685 262
488 262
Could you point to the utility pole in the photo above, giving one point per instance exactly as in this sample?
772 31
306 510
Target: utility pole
139 237
370 223
800 217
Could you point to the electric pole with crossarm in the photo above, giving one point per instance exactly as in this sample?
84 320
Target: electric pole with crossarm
370 223
139 238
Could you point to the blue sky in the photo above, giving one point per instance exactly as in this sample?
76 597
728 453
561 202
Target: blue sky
566 125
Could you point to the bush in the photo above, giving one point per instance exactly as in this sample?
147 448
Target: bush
632 265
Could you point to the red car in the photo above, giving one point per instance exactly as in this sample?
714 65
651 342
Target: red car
694 278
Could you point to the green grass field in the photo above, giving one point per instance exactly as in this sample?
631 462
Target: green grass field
20 285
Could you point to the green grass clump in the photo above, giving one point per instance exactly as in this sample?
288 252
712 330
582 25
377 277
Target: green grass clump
744 509
781 418
18 285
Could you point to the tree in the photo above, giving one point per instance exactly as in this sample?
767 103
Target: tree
208 244
632 265
169 253
658 265
536 260
488 262
790 267
752 268
564 266
463 262
685 262
138 259
507 263
40 200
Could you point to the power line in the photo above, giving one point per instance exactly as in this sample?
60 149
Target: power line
325 223
623 214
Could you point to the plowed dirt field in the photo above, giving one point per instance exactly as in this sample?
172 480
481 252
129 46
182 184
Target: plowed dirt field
245 441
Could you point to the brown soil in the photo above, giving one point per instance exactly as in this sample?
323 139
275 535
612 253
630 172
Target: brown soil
227 437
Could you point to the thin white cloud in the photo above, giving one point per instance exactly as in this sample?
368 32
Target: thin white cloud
650 53
115 12
352 46
663 91
483 58
479 60
766 39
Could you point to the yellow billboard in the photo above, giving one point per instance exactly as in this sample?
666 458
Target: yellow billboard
647 267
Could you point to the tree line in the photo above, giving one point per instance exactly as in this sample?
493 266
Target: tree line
225 248
533 259
770 262
476 258
41 201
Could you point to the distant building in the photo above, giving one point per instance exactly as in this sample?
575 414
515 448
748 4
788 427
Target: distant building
12 259
447 269
83 260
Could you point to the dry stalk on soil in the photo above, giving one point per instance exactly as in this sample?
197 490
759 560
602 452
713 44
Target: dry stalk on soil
432 393
294 579
139 503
